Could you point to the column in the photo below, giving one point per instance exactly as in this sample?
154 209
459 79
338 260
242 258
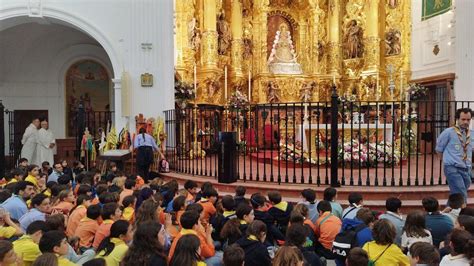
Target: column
334 44
373 36
119 120
260 37
314 35
236 50
209 35
184 14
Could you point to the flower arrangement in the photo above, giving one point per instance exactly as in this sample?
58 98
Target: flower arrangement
183 91
417 92
368 154
238 100
295 153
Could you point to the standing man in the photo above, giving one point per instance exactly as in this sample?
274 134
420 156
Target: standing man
145 145
29 140
455 143
45 145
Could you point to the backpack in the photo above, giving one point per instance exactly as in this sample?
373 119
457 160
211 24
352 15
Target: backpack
345 241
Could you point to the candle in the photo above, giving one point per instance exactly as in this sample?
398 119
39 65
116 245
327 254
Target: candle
195 80
334 79
250 84
225 82
401 83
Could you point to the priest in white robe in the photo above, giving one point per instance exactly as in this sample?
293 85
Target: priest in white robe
45 145
29 140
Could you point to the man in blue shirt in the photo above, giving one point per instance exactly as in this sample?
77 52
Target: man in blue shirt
57 172
455 143
40 206
16 204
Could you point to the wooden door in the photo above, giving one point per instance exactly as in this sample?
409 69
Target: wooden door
22 119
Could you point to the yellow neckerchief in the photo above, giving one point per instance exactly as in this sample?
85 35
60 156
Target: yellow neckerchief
188 232
108 221
203 199
243 222
281 206
85 219
252 237
228 213
117 241
464 142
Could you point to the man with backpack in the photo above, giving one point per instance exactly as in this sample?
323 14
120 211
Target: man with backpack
354 233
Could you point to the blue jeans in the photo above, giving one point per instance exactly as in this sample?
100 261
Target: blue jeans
459 179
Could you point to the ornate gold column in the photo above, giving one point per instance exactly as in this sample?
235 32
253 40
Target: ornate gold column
260 36
314 38
236 50
209 36
184 14
334 45
373 36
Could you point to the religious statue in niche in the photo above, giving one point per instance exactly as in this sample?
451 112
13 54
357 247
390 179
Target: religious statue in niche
392 3
247 53
273 94
212 87
353 47
392 42
225 37
320 51
282 59
306 92
194 34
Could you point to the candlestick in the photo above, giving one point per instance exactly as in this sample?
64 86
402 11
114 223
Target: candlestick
401 84
225 82
250 84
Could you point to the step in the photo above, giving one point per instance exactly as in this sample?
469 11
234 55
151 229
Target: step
374 197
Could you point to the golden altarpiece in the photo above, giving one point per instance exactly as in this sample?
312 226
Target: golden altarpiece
361 45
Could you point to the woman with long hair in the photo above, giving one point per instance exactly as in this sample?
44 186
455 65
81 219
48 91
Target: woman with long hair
146 212
145 145
462 249
46 259
114 247
256 253
187 252
415 230
147 246
288 256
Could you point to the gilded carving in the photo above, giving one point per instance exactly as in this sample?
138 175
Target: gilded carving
340 37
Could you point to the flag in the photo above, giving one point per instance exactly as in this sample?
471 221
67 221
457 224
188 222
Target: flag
433 8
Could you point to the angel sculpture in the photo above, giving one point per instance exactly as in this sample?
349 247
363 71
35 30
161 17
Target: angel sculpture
272 92
194 34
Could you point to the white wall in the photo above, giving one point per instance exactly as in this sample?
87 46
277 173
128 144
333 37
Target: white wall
35 59
120 27
425 35
465 50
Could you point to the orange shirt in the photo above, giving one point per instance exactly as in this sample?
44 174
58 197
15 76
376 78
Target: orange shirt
207 250
327 229
209 210
64 206
102 232
125 192
86 232
74 218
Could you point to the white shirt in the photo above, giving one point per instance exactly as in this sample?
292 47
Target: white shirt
459 260
407 241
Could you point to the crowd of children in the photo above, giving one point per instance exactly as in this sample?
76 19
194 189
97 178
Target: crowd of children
69 216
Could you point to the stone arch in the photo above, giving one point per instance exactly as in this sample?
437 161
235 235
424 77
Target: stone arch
72 19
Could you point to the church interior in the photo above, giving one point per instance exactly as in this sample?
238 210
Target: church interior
164 109
350 93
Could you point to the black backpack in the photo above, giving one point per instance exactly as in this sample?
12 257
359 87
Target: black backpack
345 241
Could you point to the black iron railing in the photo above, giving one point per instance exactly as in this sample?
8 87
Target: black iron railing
371 143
